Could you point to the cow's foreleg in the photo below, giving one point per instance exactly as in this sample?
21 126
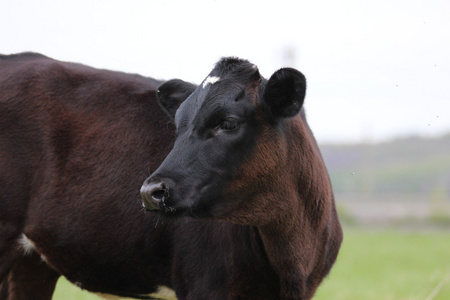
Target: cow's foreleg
8 252
30 278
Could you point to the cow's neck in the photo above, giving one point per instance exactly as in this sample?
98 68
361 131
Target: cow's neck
292 247
295 239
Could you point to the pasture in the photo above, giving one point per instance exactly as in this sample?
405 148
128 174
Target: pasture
372 264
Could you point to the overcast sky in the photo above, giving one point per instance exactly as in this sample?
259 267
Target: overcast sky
375 69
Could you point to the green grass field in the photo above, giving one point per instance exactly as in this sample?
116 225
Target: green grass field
372 264
390 265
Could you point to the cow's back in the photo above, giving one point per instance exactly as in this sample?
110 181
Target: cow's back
75 144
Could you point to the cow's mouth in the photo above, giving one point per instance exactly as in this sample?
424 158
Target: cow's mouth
156 203
170 212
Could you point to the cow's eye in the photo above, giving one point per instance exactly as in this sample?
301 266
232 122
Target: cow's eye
228 125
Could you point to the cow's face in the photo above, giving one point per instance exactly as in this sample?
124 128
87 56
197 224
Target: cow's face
230 141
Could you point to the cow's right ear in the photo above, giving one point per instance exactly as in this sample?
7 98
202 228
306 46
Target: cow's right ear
172 93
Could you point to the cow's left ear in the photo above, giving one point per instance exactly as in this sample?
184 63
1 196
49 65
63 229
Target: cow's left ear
172 93
284 93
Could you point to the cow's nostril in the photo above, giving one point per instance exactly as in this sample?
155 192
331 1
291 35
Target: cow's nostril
159 195
153 194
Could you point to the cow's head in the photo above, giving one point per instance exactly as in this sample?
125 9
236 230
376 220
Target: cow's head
233 156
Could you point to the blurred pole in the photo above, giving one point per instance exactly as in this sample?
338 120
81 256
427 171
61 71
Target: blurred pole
289 56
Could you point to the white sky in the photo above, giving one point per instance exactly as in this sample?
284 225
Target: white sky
375 69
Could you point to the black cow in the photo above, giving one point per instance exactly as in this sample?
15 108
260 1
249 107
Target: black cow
75 144
255 212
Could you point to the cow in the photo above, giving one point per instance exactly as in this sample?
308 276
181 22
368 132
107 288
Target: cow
76 143
247 187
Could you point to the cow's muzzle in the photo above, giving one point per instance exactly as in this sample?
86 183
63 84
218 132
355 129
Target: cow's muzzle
153 195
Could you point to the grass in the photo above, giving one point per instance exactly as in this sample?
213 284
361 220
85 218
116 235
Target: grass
372 264
390 265
67 291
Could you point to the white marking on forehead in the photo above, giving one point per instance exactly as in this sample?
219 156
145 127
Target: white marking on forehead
26 245
210 80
